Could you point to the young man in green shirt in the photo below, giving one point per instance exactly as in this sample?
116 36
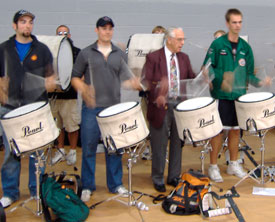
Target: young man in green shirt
233 65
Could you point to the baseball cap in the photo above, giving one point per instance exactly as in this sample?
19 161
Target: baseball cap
21 13
104 21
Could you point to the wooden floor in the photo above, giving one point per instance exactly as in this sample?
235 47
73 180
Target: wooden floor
252 207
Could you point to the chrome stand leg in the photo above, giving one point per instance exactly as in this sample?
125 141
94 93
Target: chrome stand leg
261 166
39 162
133 153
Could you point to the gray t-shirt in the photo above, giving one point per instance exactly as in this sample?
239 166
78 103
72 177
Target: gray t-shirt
106 75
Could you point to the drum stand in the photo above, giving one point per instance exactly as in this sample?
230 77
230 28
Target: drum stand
40 159
252 174
204 151
133 153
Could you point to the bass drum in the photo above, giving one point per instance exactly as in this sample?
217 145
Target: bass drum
62 54
139 45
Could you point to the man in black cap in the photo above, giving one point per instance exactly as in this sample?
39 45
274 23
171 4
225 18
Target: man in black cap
21 56
101 64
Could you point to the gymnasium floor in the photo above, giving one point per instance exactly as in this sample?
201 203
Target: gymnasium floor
253 207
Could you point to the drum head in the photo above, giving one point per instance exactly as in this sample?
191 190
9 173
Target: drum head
255 97
65 63
193 104
118 108
24 110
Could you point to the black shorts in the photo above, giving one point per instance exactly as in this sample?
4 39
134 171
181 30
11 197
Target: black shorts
228 113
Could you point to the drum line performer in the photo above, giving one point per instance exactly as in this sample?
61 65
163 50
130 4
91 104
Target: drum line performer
101 64
20 54
65 110
233 64
163 71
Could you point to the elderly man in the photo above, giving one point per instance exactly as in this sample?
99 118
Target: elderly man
164 69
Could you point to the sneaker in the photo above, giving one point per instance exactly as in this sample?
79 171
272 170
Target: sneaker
234 168
214 174
6 201
122 191
86 195
146 154
71 157
58 156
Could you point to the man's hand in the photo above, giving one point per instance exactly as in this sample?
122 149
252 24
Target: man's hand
50 83
161 101
88 95
4 89
267 81
227 83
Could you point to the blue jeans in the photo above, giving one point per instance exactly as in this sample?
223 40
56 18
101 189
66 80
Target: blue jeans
10 172
90 135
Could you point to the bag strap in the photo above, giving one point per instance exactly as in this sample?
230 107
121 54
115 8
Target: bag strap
77 178
45 207
2 214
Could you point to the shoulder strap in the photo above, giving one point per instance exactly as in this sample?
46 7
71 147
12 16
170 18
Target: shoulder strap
2 214
78 182
45 207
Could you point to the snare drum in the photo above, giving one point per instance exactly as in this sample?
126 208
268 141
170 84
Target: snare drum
62 58
198 119
256 111
122 125
29 127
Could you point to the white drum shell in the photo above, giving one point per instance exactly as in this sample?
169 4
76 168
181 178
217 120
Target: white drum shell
62 57
203 123
32 130
126 128
139 46
262 112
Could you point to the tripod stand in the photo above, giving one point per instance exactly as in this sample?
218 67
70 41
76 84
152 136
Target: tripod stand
133 153
40 159
252 174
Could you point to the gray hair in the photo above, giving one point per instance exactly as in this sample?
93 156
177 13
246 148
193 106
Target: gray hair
170 32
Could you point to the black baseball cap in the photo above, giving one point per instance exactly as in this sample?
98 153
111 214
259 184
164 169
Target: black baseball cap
21 13
104 21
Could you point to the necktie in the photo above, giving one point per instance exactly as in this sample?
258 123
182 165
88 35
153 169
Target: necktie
173 77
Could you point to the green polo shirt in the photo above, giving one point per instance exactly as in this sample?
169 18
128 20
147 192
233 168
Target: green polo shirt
240 68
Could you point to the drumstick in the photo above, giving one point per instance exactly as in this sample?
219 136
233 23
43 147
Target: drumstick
91 72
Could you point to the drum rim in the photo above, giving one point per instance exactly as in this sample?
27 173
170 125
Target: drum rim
272 95
178 110
6 118
102 117
68 86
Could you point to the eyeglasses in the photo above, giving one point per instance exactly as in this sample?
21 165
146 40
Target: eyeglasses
63 33
179 39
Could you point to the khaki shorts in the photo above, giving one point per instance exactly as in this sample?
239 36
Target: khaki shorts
66 113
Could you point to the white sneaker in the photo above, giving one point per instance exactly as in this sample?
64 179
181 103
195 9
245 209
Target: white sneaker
71 157
58 156
123 191
86 195
234 168
214 174
146 154
6 201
